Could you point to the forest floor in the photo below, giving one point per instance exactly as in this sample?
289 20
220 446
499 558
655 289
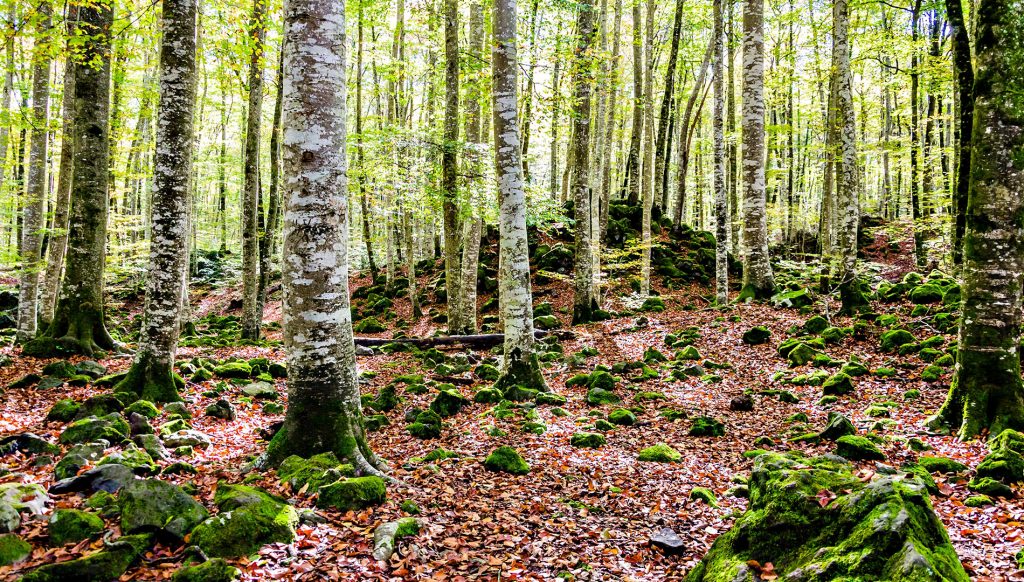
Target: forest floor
588 512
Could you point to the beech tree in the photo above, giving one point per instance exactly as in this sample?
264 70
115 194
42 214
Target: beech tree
151 376
79 325
252 309
721 206
585 297
324 412
758 279
449 161
986 392
520 366
35 202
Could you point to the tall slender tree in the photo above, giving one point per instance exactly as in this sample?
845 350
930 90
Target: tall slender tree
987 392
252 309
35 199
520 366
721 200
585 298
449 162
151 376
963 130
79 324
324 413
758 279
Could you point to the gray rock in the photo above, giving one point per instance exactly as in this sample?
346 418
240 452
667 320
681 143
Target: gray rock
91 369
178 408
10 518
668 541
78 457
139 424
387 534
187 438
109 478
263 390
28 443
837 426
221 409
152 445
364 351
155 505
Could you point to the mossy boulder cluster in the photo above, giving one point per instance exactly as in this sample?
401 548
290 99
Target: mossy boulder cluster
249 518
884 529
1002 466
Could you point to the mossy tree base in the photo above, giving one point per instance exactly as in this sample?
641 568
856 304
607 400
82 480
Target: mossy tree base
149 380
521 372
322 422
851 296
82 331
585 312
753 292
984 395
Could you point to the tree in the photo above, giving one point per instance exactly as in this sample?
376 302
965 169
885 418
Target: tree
520 366
846 213
35 202
449 162
758 279
648 178
718 122
962 131
585 298
79 324
324 413
987 392
151 376
252 309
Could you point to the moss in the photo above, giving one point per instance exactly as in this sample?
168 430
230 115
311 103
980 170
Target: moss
59 369
600 396
815 325
884 372
13 549
143 407
505 459
233 370
893 339
63 410
550 398
927 293
837 426
660 453
488 395
854 369
1003 464
352 494
369 325
990 486
249 519
589 440
622 417
801 354
707 426
756 335
798 417
940 465
689 353
858 448
881 530
215 570
427 425
704 495
72 526
136 459
111 427
448 402
838 384
978 501
102 566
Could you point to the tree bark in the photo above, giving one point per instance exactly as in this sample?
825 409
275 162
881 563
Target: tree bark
758 279
151 376
252 309
268 235
520 366
718 123
34 208
324 412
987 392
964 73
915 196
449 162
584 299
661 151
683 160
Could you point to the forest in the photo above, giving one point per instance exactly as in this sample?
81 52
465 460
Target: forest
706 290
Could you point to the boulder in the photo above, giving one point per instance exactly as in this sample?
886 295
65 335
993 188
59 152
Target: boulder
139 424
249 518
836 427
352 494
838 384
28 444
72 526
448 402
99 405
155 505
884 529
587 440
261 390
112 428
215 570
13 549
103 566
109 478
152 445
756 336
187 438
669 542
386 535
77 457
659 453
221 409
858 448
505 459
742 403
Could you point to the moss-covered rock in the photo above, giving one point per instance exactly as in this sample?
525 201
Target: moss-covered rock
155 505
215 570
587 440
143 407
600 396
858 448
488 396
885 529
704 495
978 501
836 427
13 549
427 425
1003 464
940 464
249 518
136 459
369 325
103 566
63 410
622 417
352 494
448 402
925 294
659 453
837 384
707 426
991 487
757 335
233 370
891 340
505 459
550 399
316 471
112 428
69 526
801 354
794 299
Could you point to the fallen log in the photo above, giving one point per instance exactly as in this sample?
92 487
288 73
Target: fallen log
482 340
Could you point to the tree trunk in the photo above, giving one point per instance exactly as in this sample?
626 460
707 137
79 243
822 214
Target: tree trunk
252 309
661 151
718 123
324 412
556 103
915 197
364 206
520 366
584 299
964 73
986 392
151 376
847 203
528 109
638 110
78 325
610 86
269 234
683 160
758 279
732 150
35 191
649 177
449 162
